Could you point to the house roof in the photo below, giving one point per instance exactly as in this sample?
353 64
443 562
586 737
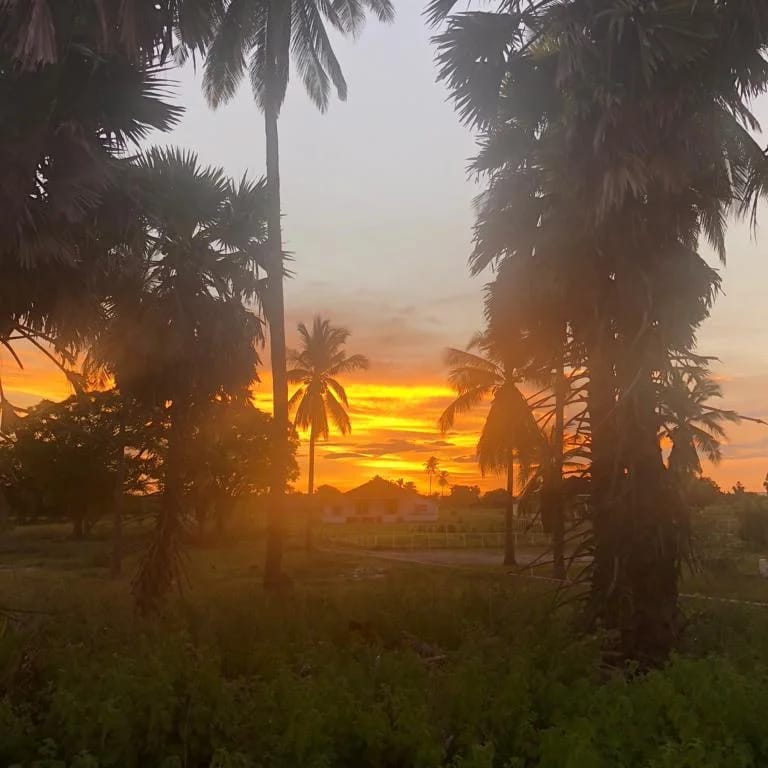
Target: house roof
378 488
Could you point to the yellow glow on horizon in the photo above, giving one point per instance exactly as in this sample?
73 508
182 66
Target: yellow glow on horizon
394 430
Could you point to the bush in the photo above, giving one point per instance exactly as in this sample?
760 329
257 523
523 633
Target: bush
752 516
411 672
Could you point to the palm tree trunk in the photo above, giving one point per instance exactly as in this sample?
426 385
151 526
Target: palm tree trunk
558 436
509 515
116 564
310 490
606 481
657 526
161 565
637 517
273 575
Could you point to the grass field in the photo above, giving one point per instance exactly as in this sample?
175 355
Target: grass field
367 662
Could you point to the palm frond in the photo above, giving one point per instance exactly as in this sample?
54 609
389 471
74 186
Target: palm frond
466 401
313 53
234 38
349 364
337 413
338 390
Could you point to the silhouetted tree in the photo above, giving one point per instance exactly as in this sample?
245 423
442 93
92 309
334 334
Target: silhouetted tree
269 34
431 467
321 399
510 427
702 491
62 459
228 460
464 495
572 187
689 420
87 86
442 481
184 337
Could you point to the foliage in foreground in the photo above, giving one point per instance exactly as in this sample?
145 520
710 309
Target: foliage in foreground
373 674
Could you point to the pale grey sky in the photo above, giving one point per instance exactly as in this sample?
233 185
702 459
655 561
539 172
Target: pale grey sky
378 212
377 205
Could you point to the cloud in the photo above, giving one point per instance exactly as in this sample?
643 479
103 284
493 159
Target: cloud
345 455
442 444
464 459
394 446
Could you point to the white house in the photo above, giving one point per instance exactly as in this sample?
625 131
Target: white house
380 501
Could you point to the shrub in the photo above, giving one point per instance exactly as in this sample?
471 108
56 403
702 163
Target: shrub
415 671
752 516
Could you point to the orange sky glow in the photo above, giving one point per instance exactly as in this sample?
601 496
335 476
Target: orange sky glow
394 430
379 226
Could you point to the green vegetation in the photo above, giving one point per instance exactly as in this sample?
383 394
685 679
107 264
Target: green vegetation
367 663
615 138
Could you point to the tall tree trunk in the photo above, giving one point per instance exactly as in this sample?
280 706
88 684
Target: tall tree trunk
558 436
273 574
658 524
606 481
509 515
116 564
161 565
638 518
310 490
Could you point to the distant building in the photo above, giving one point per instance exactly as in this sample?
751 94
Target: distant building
379 501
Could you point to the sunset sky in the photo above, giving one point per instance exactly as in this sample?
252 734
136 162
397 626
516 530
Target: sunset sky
378 215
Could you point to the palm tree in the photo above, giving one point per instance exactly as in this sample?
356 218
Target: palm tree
627 199
431 467
177 333
268 33
689 422
510 427
442 481
320 396
63 154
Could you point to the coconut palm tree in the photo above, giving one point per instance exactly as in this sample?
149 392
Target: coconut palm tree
688 420
442 481
268 34
510 427
320 400
431 467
